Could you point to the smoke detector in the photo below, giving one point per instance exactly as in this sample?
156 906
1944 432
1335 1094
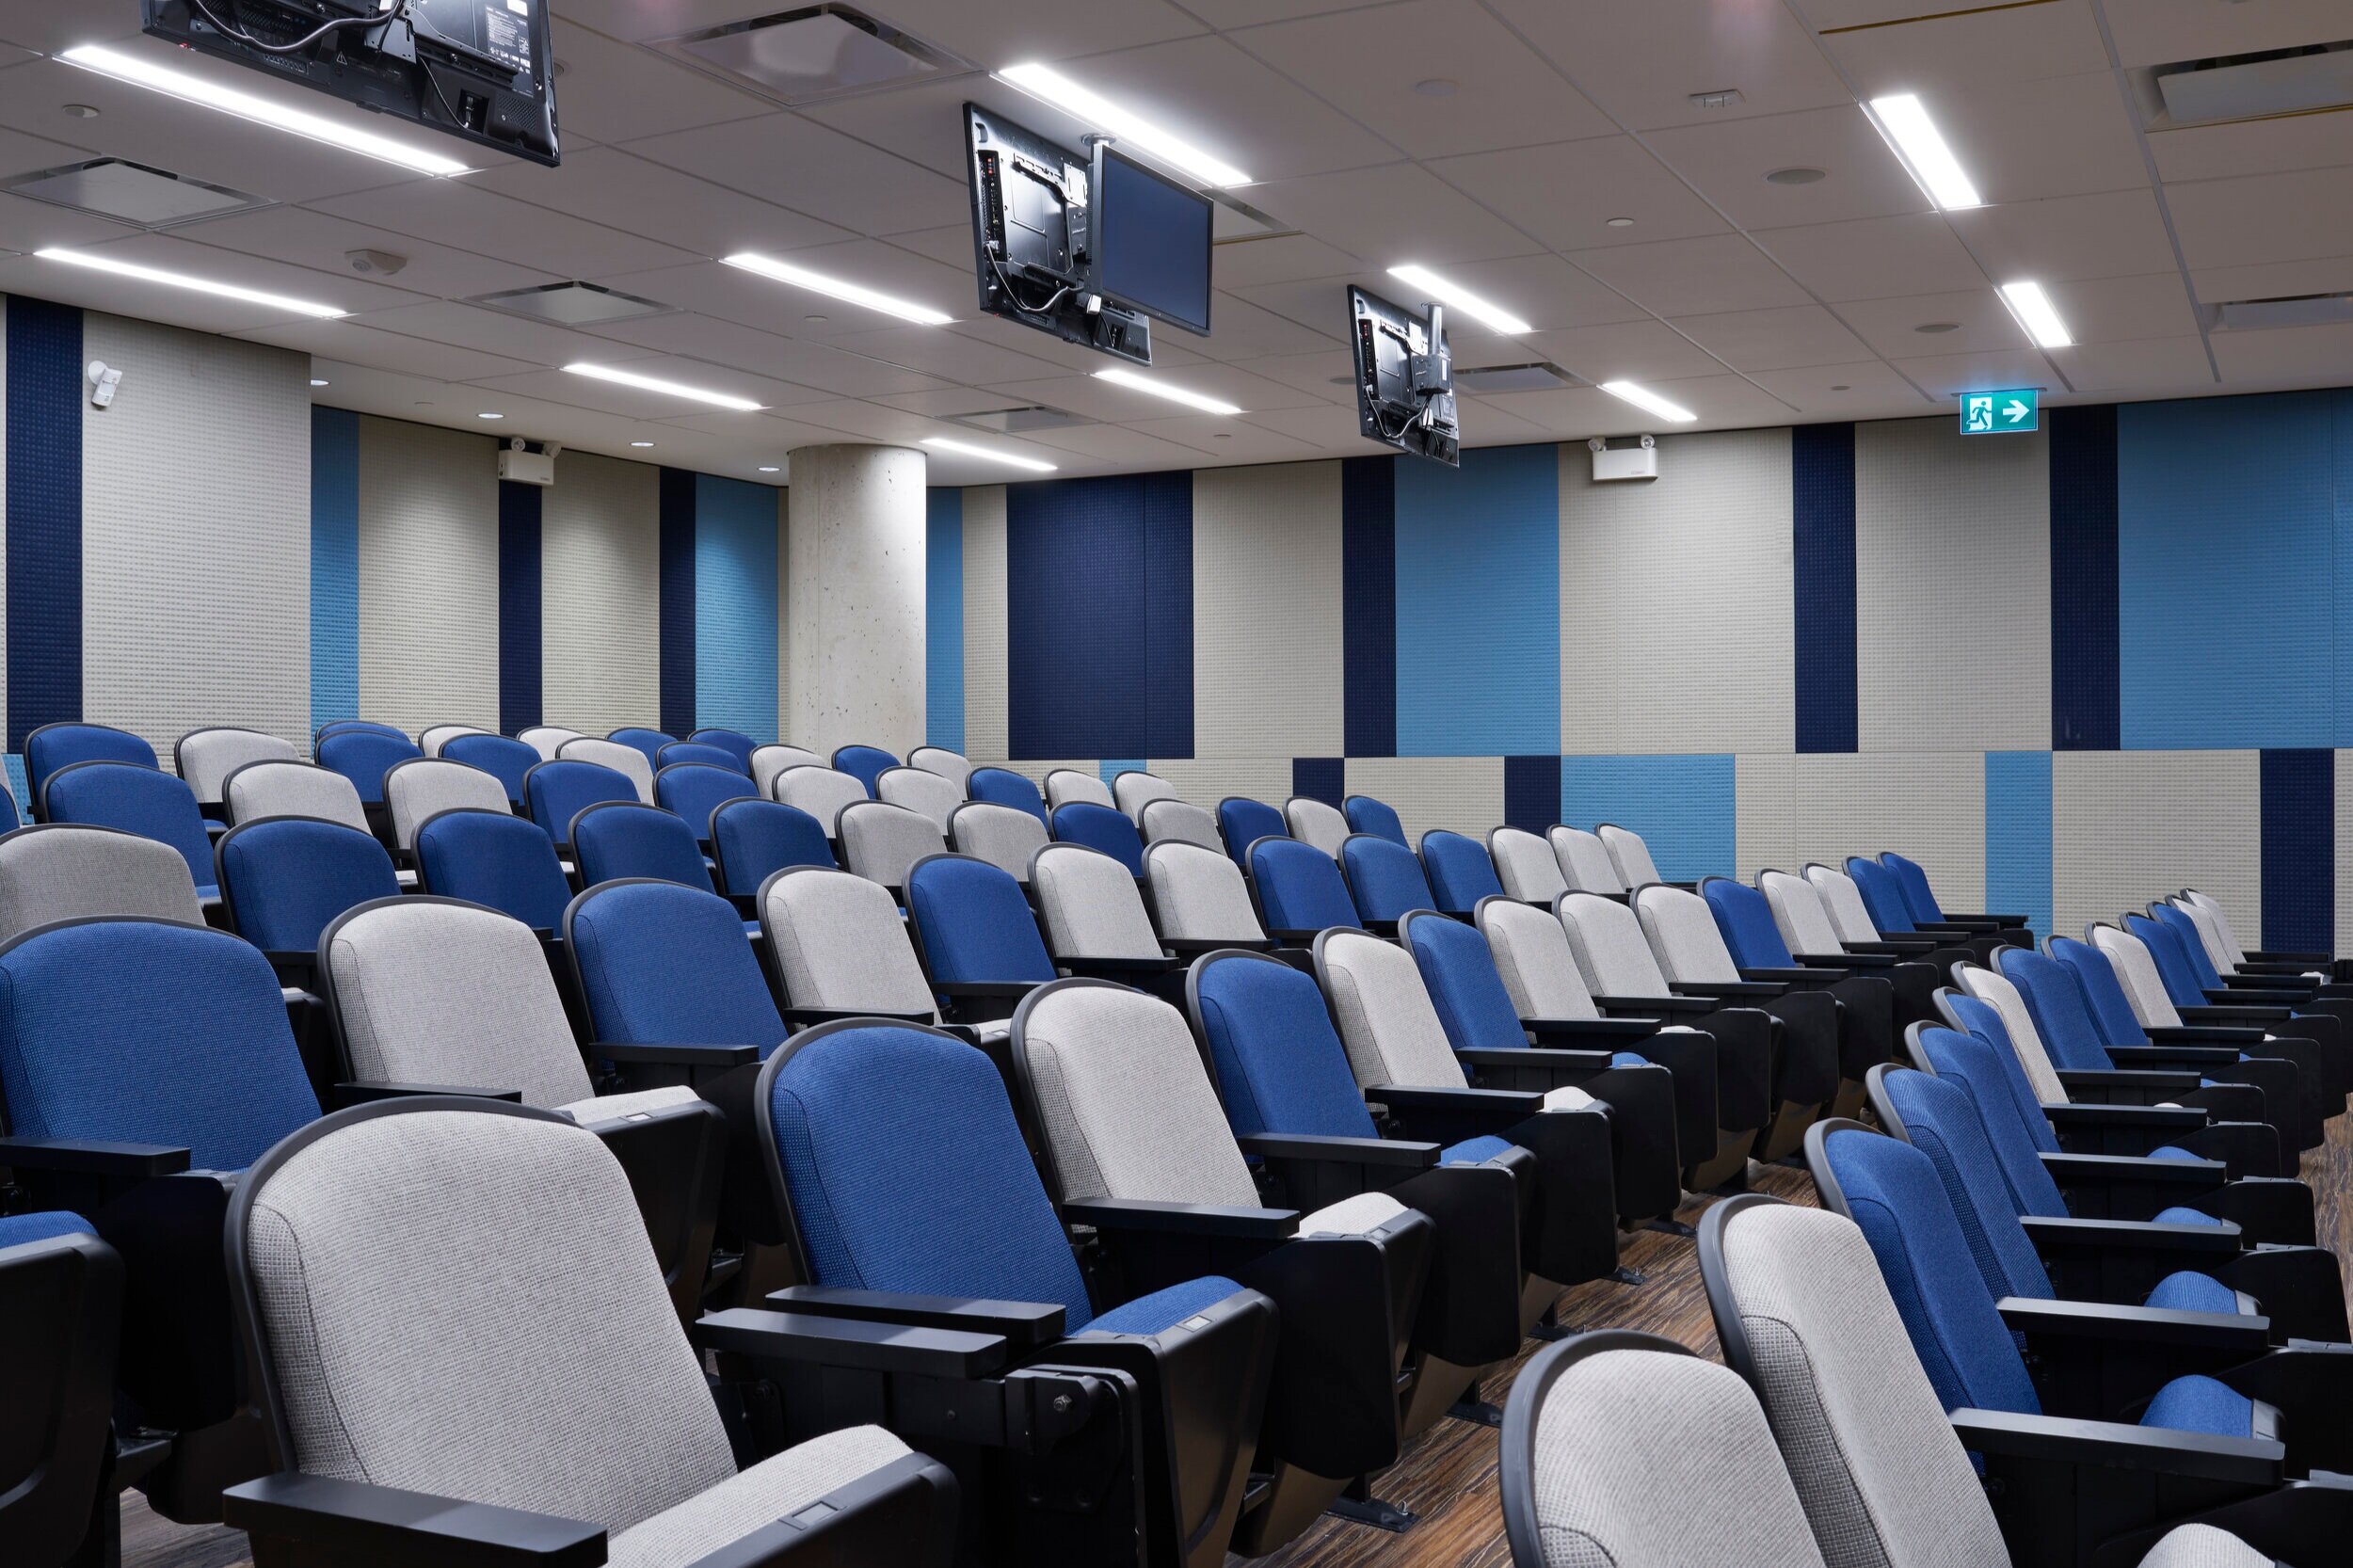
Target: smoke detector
374 263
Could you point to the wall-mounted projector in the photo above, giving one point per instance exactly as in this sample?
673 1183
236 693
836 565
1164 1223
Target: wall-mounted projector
1637 459
518 463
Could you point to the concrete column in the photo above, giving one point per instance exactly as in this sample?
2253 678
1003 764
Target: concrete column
854 598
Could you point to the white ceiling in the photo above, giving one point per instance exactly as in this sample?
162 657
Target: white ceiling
1750 302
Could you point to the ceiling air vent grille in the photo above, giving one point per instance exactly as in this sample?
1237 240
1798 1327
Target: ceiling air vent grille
812 53
2302 310
131 192
2314 76
1539 375
1021 421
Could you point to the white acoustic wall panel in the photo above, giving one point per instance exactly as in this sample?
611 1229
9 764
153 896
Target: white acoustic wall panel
429 575
2129 826
600 595
1206 781
1825 807
984 672
24 809
1465 793
1266 644
1676 600
1952 588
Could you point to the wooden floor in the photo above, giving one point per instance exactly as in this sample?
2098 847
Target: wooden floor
1448 1476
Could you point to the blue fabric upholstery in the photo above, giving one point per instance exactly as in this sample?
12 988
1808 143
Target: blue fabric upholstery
2168 1151
1384 879
142 1032
60 746
504 863
502 759
2197 1403
2166 946
1745 919
1984 1022
1280 1065
692 791
1101 827
753 839
1940 1122
864 763
733 742
2186 1291
1242 821
1913 883
616 840
695 752
362 757
1367 815
2179 1216
556 792
1459 970
1300 887
142 800
2095 977
976 924
1882 895
2193 947
17 1230
368 727
286 878
650 741
1460 871
2006 1108
1004 787
1473 1151
1164 1309
2070 1038
10 818
1894 1195
661 964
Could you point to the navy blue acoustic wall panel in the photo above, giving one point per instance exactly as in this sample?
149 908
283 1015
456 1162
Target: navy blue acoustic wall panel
677 600
2300 850
518 605
44 539
1369 606
1822 571
1323 779
2082 578
1532 792
1167 614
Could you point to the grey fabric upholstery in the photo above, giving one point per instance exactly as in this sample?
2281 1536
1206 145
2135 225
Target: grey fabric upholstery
2203 1546
776 1488
67 872
819 792
881 842
2209 936
840 943
1612 954
1645 1459
1526 867
1200 895
1091 908
1181 820
417 791
1683 933
1133 790
1799 913
627 760
770 761
1386 1019
1584 861
2025 1041
1317 823
263 790
1883 1481
433 738
2222 922
2138 972
208 756
921 790
547 739
953 766
1069 787
1843 901
1531 953
1004 836
1629 854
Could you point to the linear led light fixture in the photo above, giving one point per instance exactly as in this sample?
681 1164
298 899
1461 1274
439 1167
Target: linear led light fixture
1649 401
191 88
1486 312
655 384
1921 148
200 285
1123 124
834 288
983 453
1133 382
2037 314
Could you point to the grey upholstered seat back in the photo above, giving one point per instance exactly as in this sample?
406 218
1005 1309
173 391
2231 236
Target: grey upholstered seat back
420 788
627 760
1181 820
464 1304
953 766
1629 854
1124 1103
1200 895
819 792
1317 823
2205 1546
1645 1459
921 790
770 761
2222 922
1070 787
1386 1019
434 737
1526 867
68 872
433 991
547 739
881 842
2209 934
1531 953
208 756
1882 1477
1798 912
838 942
1133 790
2026 1041
1091 908
263 790
1584 861
2136 971
1683 935
1612 954
1843 901
1004 836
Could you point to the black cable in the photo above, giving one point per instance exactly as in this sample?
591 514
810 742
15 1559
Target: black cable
1019 303
307 40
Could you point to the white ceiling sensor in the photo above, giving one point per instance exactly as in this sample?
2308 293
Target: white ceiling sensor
572 304
131 192
812 53
2257 87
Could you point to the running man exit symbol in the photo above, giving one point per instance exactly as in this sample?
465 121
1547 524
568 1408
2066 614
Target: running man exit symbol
2000 413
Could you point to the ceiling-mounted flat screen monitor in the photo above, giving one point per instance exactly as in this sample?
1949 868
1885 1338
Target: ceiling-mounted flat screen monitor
480 70
1152 239
1032 208
1405 377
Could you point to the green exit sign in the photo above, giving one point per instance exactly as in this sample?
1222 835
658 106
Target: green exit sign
2001 414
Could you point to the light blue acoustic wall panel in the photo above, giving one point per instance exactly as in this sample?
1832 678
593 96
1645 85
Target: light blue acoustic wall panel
1478 604
735 606
335 565
943 618
2018 836
2226 523
1683 807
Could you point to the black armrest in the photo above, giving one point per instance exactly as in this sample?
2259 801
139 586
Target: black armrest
2077 1168
2239 1014
1550 1032
1687 1006
2095 1079
2139 1326
1846 960
1184 947
812 1015
1497 1102
365 1094
1025 1324
2158 1058
1194 1219
852 1344
1403 1153
979 988
1295 938
1795 976
1112 968
353 1521
2213 1035
2187 1242
2184 1118
93 1157
2114 1444
674 1055
1901 947
2236 996
1725 988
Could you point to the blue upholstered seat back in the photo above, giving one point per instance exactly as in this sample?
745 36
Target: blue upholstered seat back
1461 874
1384 878
733 742
908 1173
1984 1022
142 800
1882 895
664 964
2192 945
1299 886
1913 883
692 791
699 755
2006 1110
650 741
1378 818
502 759
501 862
628 839
1894 1195
2111 1009
143 1032
1280 1064
1940 1120
60 746
1101 827
286 878
362 756
2165 947
556 792
10 818
1458 969
371 727
17 1230
865 763
753 839
2070 1038
976 922
1004 787
1745 917
1242 821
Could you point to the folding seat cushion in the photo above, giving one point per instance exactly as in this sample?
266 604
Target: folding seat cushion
2315 966
65 873
770 761
336 726
864 763
662 963
547 739
1004 836
503 759
60 1309
622 838
1800 914
1584 862
819 792
1389 1022
1300 889
632 762
1843 898
921 790
1199 899
206 758
1101 827
142 800
1242 821
1921 898
952 766
1316 821
536 1365
692 790
1134 789
1526 866
881 842
431 739
1459 870
423 787
1366 815
840 946
364 759
52 746
1182 821
284 879
495 859
1066 786
753 839
1385 880
556 792
695 754
2103 975
645 742
1629 854
975 924
733 742
1091 908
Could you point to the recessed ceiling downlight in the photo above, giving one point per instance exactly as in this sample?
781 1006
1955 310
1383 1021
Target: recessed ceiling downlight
1937 329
